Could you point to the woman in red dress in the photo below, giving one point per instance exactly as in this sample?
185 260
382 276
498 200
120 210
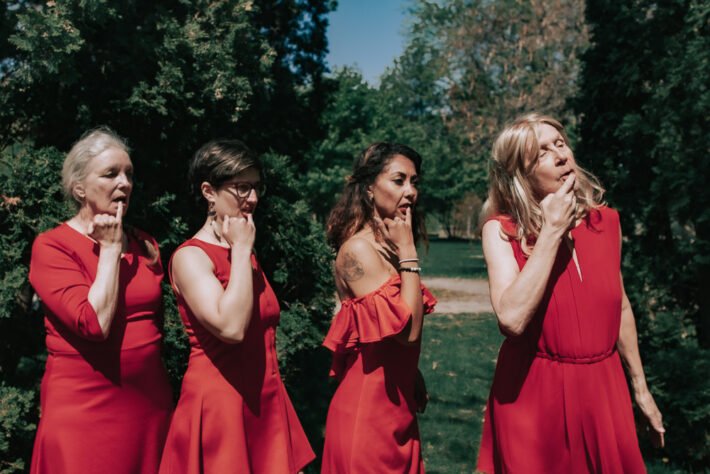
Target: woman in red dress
105 396
234 414
376 335
559 401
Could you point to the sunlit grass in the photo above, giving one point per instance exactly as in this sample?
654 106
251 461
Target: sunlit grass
458 359
455 259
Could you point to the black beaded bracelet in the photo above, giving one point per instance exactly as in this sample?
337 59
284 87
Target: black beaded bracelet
410 269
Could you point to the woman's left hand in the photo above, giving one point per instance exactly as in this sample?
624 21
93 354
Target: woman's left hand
421 396
648 407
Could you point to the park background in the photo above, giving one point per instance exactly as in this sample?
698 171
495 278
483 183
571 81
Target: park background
629 79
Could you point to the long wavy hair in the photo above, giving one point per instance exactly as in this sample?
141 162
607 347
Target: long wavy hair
354 210
511 191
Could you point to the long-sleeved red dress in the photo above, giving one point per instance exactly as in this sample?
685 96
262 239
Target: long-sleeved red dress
234 414
105 404
559 401
372 424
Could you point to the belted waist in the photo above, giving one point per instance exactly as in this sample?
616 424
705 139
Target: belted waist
576 360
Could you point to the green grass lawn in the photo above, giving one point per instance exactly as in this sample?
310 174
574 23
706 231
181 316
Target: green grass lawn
456 259
458 359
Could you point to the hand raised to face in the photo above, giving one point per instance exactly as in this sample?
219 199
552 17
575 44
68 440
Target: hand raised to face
239 231
558 208
107 229
397 232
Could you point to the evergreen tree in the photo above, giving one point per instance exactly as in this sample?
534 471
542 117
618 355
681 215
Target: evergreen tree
168 75
644 102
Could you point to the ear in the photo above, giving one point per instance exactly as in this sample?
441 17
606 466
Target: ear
208 192
370 194
78 192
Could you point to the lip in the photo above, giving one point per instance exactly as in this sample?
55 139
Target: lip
566 175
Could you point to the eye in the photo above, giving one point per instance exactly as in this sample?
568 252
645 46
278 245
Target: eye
399 181
560 143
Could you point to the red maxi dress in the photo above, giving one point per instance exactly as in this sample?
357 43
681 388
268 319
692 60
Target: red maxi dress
105 404
234 415
372 424
559 401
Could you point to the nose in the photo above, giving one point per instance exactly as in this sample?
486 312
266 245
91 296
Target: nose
124 180
252 197
410 191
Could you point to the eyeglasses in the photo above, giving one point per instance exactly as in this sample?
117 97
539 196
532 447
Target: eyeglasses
243 189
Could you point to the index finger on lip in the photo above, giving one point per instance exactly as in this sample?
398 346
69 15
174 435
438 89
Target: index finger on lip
119 212
567 185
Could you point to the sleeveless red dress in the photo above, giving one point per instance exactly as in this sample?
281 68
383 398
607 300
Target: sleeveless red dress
559 401
372 425
234 414
105 404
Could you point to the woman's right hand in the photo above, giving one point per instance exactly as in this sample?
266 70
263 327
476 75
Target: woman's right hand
107 230
239 231
558 208
398 232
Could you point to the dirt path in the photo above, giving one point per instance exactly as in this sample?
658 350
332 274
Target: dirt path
460 295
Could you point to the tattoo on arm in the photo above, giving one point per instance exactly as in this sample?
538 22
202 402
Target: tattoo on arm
351 269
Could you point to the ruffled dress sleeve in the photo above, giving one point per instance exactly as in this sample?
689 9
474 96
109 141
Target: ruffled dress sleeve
372 317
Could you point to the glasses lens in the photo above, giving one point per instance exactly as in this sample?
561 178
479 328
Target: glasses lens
260 189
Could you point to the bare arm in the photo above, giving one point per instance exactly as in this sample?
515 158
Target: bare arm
398 231
516 294
107 230
360 268
629 350
224 312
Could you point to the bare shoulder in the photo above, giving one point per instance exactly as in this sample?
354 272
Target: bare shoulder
359 267
492 231
497 250
356 257
190 261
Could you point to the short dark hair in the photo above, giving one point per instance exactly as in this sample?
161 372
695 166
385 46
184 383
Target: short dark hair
218 161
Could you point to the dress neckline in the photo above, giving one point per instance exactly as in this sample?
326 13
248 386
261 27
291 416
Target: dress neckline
388 282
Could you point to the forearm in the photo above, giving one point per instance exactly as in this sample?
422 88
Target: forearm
103 293
518 303
236 305
629 350
411 293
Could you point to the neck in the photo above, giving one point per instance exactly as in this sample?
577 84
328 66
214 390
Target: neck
211 231
82 220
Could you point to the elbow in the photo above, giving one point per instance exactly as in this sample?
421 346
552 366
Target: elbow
511 326
232 336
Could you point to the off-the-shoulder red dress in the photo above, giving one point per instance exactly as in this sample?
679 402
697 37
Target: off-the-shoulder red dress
105 404
372 425
234 414
559 401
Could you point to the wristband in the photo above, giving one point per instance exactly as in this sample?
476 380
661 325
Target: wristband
410 269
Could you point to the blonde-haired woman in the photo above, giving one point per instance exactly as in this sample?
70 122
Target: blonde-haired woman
105 396
559 400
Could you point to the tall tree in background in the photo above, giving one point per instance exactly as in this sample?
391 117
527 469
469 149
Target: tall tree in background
168 75
644 103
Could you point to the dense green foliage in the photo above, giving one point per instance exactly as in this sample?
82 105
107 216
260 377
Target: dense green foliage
169 75
645 103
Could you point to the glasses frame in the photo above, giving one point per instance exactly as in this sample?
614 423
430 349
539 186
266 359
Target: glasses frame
259 188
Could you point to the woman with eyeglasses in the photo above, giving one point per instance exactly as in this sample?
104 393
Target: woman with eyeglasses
234 414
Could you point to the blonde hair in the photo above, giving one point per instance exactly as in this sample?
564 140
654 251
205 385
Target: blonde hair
92 143
74 170
511 192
